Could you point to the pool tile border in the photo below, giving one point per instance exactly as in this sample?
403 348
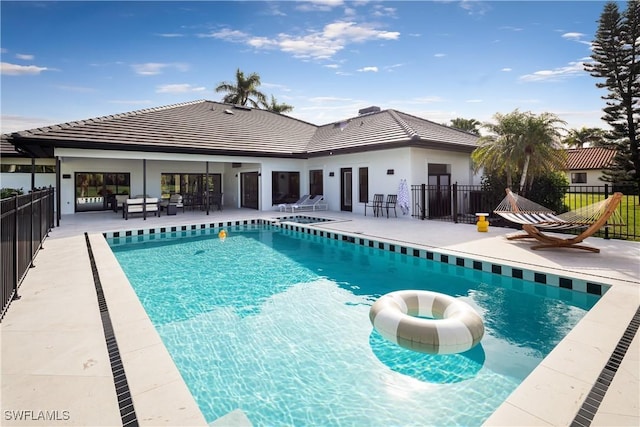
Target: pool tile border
551 280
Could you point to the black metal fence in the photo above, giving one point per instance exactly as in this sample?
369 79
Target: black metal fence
25 222
461 203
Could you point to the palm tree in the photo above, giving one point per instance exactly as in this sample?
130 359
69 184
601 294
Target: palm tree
541 145
497 152
278 107
467 125
243 91
579 137
521 143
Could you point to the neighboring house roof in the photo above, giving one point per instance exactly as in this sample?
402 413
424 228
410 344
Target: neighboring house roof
7 149
216 128
589 158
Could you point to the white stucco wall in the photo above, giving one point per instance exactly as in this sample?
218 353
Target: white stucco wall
407 163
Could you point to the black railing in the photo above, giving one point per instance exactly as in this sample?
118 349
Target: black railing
461 203
25 222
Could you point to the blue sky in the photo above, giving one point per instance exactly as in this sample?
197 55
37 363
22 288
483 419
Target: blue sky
65 61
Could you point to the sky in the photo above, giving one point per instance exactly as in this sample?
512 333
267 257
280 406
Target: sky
438 60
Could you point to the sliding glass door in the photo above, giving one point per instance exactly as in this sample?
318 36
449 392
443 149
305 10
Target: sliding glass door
94 191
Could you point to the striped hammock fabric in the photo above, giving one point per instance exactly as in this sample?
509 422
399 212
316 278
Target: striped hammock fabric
520 210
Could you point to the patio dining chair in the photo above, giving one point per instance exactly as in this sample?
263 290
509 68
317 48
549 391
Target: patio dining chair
375 205
392 200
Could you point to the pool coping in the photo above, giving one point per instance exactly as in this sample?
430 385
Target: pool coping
541 398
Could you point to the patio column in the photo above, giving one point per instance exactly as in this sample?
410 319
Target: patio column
33 173
58 196
206 186
144 189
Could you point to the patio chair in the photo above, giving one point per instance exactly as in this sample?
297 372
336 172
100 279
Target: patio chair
535 218
314 203
392 200
174 199
284 206
375 205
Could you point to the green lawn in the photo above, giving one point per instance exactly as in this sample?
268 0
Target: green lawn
629 210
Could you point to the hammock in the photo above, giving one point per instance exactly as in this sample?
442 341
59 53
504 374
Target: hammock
533 217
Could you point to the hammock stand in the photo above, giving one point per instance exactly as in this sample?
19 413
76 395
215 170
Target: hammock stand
534 217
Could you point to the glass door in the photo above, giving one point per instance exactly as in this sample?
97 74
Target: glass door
249 190
346 191
95 191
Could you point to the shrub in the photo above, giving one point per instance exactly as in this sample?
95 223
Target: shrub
9 192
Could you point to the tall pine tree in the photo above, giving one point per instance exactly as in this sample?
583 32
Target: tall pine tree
616 58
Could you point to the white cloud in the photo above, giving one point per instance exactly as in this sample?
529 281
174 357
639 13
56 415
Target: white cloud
153 68
179 88
20 70
319 44
506 69
576 37
440 55
24 57
228 35
510 28
170 35
332 66
474 101
368 69
319 5
557 74
474 7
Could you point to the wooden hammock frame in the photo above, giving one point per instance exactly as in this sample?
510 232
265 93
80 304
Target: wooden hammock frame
533 220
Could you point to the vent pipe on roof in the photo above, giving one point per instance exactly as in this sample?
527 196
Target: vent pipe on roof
369 110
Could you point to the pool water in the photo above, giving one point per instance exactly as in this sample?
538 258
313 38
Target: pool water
277 324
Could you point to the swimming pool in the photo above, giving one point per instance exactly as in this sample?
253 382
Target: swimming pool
275 323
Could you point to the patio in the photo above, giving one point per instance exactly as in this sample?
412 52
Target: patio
55 362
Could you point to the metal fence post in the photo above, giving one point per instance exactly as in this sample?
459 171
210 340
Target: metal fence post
454 189
16 277
423 201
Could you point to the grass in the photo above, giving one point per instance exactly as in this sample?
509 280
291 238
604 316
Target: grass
629 210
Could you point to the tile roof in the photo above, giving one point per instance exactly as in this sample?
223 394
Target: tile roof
216 128
7 149
589 158
386 129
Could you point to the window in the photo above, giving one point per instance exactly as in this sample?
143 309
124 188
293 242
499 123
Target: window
315 182
189 183
363 183
285 187
12 168
578 177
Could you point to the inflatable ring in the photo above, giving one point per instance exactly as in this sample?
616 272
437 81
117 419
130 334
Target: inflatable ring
454 326
222 234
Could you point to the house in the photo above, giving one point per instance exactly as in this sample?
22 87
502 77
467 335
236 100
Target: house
256 158
16 169
585 165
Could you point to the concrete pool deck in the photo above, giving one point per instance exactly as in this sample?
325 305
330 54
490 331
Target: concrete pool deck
56 366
